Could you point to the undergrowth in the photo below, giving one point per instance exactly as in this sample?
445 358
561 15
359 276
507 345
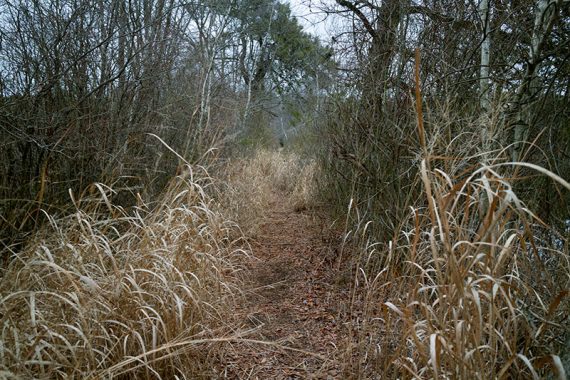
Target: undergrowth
472 285
106 293
250 182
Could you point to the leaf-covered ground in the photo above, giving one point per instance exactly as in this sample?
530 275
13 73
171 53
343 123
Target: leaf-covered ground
295 301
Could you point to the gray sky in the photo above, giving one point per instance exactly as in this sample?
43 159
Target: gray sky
312 20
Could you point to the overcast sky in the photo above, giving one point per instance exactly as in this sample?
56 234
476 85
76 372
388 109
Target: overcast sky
312 20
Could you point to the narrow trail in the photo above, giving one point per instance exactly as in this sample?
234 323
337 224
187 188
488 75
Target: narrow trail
295 301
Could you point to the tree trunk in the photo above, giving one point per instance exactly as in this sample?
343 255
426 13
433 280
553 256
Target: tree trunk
484 84
546 14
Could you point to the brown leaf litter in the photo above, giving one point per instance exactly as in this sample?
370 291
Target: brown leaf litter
293 312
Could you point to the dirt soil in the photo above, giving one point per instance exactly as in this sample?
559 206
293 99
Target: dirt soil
295 303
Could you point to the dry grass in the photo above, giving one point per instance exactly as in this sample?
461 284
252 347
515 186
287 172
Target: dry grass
104 293
251 181
473 285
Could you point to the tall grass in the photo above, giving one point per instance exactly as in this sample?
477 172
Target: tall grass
105 293
473 284
252 182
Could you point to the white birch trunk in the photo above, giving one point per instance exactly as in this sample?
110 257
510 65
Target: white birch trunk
546 11
484 83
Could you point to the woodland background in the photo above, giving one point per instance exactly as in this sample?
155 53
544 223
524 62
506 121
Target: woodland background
405 105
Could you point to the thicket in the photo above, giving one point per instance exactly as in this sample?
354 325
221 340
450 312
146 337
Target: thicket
372 143
449 142
442 127
85 85
119 257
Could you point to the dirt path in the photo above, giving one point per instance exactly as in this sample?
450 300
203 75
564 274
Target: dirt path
295 301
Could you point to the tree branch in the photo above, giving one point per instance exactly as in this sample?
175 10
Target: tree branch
352 7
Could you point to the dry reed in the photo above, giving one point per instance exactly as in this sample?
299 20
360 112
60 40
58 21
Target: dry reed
473 285
106 293
251 183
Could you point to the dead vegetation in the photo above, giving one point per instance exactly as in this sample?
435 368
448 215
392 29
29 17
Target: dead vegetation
250 182
105 293
145 293
473 284
437 132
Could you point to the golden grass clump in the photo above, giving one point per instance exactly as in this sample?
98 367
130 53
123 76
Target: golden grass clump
252 181
104 293
305 190
474 286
